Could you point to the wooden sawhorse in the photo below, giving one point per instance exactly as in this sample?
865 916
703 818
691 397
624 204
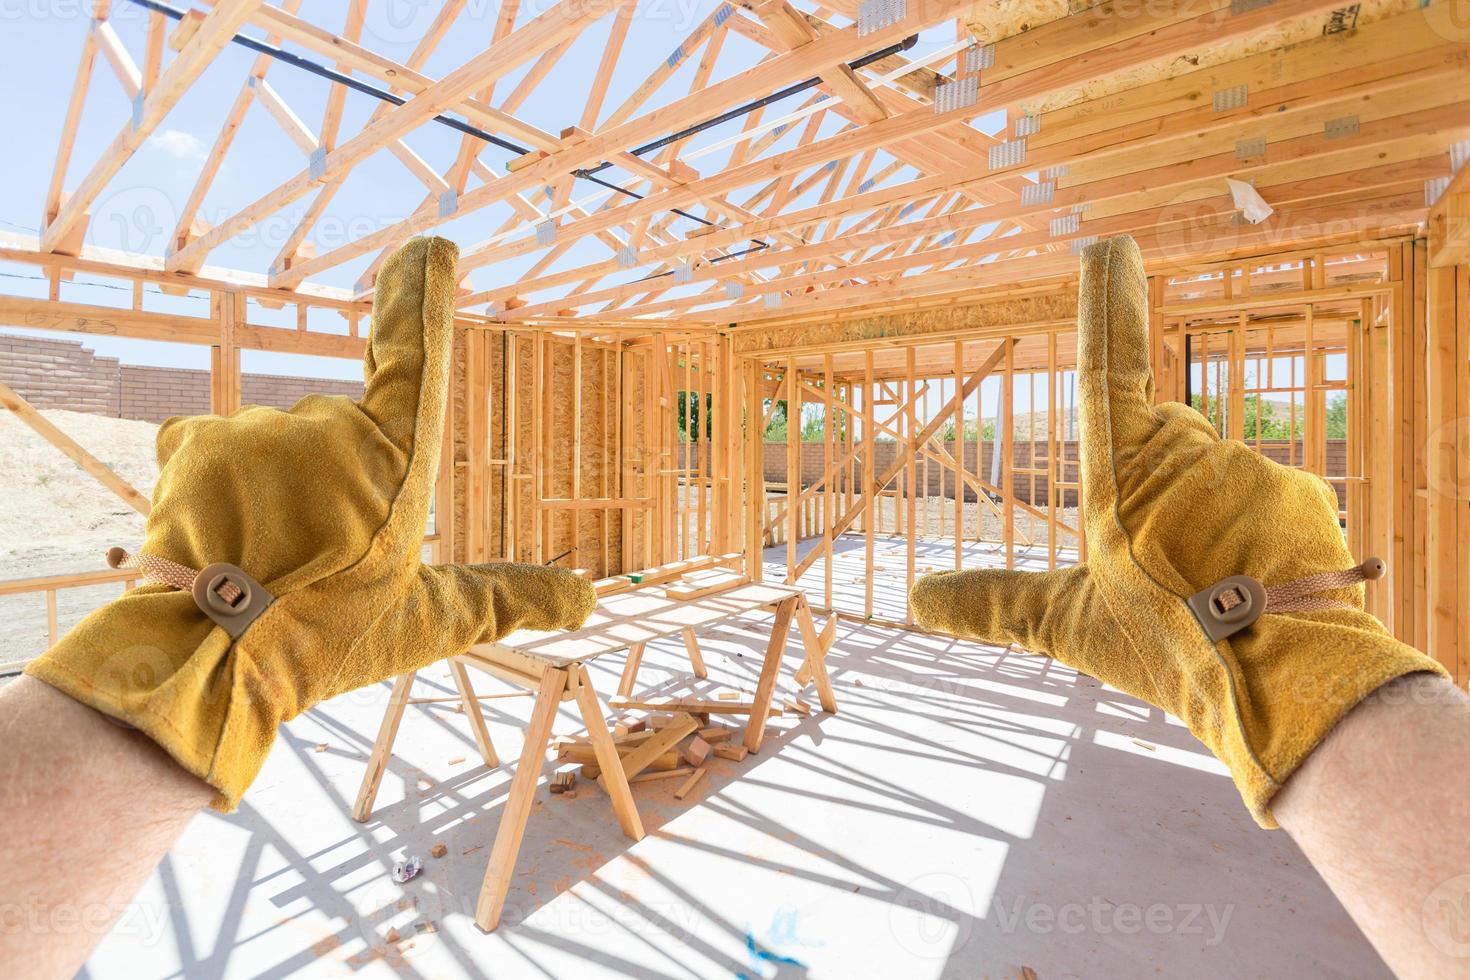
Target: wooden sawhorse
553 666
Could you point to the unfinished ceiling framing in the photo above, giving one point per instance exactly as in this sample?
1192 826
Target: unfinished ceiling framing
873 209
881 163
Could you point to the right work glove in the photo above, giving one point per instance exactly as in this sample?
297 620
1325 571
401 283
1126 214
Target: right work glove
1172 512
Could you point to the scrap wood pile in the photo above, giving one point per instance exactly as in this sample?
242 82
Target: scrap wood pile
675 742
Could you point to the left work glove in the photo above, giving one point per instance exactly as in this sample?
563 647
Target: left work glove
321 512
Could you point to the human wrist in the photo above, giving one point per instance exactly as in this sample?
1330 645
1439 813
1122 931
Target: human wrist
1381 723
151 661
1370 809
1296 677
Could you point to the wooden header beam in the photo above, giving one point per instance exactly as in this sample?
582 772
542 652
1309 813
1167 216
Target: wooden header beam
1449 224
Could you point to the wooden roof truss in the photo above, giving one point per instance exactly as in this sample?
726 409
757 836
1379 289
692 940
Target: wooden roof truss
928 171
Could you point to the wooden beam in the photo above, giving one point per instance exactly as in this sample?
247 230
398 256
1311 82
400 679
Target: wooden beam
285 117
1348 215
1179 37
1449 224
565 20
793 31
185 228
70 122
281 22
72 449
67 317
43 314
1445 476
775 73
1197 179
907 451
218 27
337 96
123 66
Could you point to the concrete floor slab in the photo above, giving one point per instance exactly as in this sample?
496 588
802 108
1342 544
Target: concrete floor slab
967 813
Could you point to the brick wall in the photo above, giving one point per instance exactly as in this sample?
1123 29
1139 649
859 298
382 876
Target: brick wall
64 374
155 393
941 483
60 374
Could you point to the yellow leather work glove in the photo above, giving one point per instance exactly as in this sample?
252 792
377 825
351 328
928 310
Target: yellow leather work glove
1171 511
324 507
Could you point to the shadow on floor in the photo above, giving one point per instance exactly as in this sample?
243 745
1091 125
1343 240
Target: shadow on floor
968 812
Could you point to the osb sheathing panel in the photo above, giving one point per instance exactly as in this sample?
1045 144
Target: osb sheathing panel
556 447
495 476
994 21
600 468
1272 69
564 529
599 461
524 490
460 414
638 460
459 438
580 529
1004 314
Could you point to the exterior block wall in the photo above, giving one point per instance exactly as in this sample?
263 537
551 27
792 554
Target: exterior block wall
940 483
67 375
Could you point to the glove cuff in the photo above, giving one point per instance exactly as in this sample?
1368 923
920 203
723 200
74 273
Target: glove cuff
1296 677
153 661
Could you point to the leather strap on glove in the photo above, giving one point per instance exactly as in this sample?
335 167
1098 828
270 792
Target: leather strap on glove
315 519
1172 511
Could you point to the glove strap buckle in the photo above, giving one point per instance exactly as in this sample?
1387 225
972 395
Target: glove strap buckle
231 598
1228 606
1234 603
222 591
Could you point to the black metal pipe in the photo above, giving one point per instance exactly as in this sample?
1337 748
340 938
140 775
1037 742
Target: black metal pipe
569 551
332 75
761 103
1188 354
636 196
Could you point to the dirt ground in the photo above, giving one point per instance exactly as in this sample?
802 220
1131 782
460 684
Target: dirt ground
935 518
55 518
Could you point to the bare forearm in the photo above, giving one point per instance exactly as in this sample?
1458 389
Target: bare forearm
1378 809
89 808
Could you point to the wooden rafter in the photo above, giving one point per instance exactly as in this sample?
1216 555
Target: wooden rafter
720 96
213 33
841 216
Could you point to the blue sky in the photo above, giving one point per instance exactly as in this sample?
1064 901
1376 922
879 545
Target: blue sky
41 40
